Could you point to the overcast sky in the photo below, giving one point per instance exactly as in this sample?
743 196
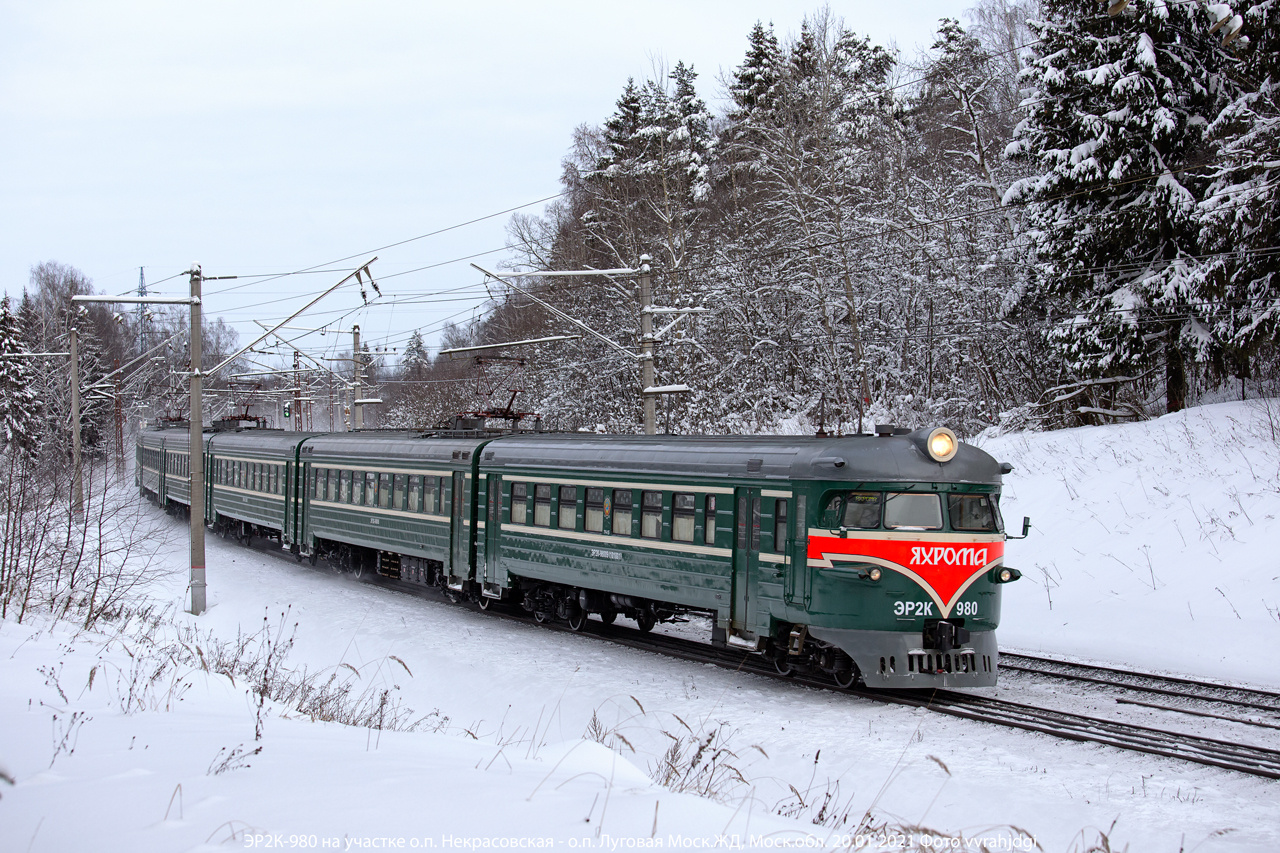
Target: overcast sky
269 136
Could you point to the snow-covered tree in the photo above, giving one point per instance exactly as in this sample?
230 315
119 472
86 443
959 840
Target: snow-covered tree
19 403
1117 132
1239 215
415 361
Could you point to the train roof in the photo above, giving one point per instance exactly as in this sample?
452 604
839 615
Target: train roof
396 445
274 442
898 458
859 458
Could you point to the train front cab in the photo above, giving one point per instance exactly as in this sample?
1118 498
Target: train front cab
902 575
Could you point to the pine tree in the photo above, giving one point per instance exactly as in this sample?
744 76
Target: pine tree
414 363
19 403
1239 215
1117 130
754 81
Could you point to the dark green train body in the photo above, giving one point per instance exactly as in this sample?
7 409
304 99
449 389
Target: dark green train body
879 557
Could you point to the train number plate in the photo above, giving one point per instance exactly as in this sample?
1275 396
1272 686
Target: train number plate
913 608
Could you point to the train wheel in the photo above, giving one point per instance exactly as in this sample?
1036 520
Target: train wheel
577 619
782 663
645 621
484 602
608 616
845 678
541 617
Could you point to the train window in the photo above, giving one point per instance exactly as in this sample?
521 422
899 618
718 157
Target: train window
357 488
431 495
755 524
802 528
912 510
651 515
593 519
259 477
622 512
971 512
567 517
415 493
397 502
370 488
780 525
682 517
335 484
861 510
519 502
709 524
542 505
344 487
384 491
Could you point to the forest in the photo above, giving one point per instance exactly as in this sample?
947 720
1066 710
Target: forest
1062 213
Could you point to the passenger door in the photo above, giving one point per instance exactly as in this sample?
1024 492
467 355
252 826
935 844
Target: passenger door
457 530
746 560
492 532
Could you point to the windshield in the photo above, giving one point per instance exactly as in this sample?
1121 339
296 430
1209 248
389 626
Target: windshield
908 509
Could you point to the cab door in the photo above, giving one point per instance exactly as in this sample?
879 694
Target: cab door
798 589
746 561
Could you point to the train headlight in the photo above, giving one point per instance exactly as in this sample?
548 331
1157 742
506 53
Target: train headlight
941 444
1004 574
875 573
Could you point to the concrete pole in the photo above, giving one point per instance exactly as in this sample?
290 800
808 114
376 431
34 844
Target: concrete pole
196 452
77 472
357 391
646 345
297 394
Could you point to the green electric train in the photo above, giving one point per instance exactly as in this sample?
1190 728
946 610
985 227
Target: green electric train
873 558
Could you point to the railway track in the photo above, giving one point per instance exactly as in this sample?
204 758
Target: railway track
1242 758
1183 691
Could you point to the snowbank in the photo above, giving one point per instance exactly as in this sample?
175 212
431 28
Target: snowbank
1154 545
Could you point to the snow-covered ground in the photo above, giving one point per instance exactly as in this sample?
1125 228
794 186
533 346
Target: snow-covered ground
1154 546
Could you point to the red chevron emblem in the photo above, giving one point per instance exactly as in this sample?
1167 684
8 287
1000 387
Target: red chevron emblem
944 568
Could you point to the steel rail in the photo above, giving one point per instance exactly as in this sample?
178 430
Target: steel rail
1162 685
